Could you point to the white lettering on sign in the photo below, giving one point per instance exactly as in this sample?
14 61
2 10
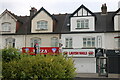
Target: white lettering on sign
43 51
79 52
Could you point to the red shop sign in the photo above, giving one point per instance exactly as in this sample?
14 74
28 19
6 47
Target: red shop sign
42 50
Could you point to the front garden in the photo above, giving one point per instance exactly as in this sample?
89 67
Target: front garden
17 66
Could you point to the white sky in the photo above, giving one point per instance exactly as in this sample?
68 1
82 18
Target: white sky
22 7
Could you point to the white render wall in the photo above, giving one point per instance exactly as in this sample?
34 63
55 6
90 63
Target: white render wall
78 38
25 40
19 40
73 22
107 42
110 42
45 39
117 22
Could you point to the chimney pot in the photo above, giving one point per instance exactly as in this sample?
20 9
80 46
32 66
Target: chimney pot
104 9
33 11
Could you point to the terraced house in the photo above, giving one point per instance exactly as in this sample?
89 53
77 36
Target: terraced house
81 34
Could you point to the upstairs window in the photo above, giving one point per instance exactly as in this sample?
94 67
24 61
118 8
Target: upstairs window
54 42
119 43
68 42
34 41
10 42
6 26
89 42
83 23
42 25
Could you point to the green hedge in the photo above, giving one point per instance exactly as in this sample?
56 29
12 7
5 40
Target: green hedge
9 54
39 66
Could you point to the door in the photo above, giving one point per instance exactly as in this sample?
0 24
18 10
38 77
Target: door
85 65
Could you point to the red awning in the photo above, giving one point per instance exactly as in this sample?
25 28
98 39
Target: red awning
117 37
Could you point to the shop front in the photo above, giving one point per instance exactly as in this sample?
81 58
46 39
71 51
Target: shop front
84 59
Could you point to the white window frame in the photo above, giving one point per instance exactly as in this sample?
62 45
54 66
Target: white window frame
83 23
6 26
54 42
89 42
68 42
118 42
42 25
35 40
10 42
99 41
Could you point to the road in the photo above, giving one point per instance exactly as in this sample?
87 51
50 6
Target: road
78 78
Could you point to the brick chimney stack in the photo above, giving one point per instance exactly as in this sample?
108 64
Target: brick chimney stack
104 9
33 11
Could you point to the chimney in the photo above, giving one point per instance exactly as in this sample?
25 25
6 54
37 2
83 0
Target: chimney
33 11
118 4
104 9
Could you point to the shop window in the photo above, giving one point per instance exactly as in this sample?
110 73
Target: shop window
34 41
89 42
68 42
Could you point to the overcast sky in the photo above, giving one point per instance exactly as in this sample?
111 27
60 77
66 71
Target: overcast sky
22 7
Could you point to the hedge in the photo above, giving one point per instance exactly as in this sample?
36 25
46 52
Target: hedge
9 54
39 67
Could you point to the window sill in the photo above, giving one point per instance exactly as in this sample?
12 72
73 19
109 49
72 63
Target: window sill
81 28
41 29
67 48
88 47
6 31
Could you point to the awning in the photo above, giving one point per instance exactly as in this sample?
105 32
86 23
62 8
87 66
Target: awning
117 37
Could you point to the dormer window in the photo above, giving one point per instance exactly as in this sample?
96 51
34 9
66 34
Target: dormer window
42 25
6 26
82 23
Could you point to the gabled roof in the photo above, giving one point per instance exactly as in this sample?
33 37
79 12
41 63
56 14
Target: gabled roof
21 19
82 6
104 23
10 14
42 9
117 10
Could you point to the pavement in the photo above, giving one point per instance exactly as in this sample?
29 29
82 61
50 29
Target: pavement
95 76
